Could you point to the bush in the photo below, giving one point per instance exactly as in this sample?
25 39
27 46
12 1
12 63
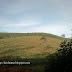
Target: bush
43 38
1 37
61 61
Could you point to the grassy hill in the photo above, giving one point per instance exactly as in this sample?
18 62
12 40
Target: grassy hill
28 47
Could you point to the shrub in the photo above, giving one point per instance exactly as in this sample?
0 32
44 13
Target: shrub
1 37
61 61
43 38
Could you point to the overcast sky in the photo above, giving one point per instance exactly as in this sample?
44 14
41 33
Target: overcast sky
49 16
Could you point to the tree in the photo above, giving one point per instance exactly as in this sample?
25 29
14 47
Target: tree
63 35
71 35
61 61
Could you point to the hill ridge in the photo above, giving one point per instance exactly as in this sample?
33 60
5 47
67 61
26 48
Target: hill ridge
8 35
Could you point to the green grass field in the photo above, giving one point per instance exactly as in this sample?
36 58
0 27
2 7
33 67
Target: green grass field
28 47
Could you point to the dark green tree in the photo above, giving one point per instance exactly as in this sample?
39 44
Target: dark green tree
61 61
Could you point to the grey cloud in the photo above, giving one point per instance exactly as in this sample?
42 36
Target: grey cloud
16 6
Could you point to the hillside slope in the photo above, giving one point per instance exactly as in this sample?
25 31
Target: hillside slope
28 46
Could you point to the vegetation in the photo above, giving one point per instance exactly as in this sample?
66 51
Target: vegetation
63 35
32 47
62 60
28 46
10 35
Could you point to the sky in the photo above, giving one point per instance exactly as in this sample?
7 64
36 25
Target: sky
25 16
